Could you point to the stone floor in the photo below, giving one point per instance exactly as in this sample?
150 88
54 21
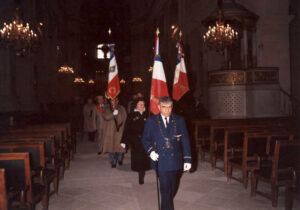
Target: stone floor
91 184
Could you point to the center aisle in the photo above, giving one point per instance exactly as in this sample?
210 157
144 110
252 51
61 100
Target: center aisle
91 184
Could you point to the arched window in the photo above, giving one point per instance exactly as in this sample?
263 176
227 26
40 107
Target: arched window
100 52
103 51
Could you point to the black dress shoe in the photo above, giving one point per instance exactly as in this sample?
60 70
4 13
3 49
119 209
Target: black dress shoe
113 165
120 163
141 177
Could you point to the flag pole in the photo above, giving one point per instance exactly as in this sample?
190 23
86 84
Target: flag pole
180 82
155 144
157 33
157 181
112 108
180 35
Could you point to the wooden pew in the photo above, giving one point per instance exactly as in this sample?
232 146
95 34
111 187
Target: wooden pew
3 194
201 136
66 127
259 143
71 137
246 124
17 167
202 140
206 143
64 142
52 155
282 173
51 164
37 161
59 140
233 136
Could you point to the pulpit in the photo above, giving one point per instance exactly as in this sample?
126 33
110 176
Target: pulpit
251 93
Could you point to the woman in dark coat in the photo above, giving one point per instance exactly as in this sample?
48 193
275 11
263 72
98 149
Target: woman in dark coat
132 137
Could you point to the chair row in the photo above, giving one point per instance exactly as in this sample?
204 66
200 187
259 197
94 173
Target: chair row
242 144
34 158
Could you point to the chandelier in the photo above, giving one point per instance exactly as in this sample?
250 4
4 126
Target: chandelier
122 81
137 79
79 80
91 82
220 36
65 70
18 35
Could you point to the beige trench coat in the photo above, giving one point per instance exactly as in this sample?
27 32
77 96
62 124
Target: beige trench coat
112 138
88 110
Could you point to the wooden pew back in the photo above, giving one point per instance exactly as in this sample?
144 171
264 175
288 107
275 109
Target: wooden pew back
17 168
286 156
35 149
48 140
3 194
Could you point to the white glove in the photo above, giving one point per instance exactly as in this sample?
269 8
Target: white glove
187 166
116 112
123 145
154 156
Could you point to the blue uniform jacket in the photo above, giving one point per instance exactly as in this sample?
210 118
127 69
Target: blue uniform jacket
177 151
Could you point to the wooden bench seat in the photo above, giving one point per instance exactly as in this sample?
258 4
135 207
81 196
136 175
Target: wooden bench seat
68 137
39 171
3 193
61 148
52 155
256 145
18 176
231 142
282 173
218 136
206 139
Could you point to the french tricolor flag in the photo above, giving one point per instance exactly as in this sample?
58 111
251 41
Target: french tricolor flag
181 84
113 88
159 86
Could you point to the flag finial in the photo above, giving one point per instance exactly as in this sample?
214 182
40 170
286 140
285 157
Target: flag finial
157 31
109 31
180 35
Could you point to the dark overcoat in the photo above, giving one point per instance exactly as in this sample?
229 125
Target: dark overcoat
132 137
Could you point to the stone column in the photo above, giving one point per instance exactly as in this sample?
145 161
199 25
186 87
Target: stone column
245 48
242 52
254 48
226 58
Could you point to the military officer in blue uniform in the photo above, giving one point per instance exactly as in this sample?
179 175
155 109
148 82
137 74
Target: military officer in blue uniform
165 139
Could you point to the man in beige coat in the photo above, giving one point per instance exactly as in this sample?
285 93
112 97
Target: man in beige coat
88 126
98 121
114 120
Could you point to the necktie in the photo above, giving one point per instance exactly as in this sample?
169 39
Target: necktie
167 123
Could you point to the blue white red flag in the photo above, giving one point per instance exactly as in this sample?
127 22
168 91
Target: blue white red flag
159 86
113 88
180 84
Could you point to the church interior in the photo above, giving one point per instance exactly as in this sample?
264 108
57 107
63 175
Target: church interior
241 104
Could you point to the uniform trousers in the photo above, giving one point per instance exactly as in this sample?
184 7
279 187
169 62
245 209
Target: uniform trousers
169 183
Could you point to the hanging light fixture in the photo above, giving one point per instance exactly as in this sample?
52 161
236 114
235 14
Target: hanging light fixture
91 82
18 35
79 80
66 70
122 81
137 79
219 36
